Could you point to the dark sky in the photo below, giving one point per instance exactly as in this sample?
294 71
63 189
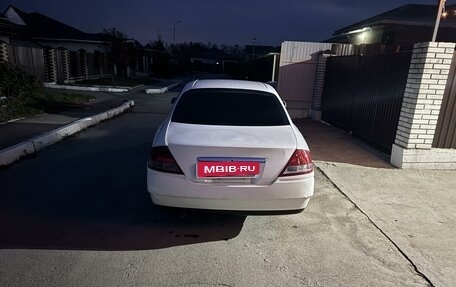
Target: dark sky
215 21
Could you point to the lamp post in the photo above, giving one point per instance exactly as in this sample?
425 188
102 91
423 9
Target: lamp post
437 20
174 32
253 48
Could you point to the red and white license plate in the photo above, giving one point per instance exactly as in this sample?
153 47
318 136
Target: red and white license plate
227 169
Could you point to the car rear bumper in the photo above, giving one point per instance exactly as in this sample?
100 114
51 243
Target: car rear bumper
287 193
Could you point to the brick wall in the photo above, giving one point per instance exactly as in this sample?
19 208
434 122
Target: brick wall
426 83
3 52
315 112
50 65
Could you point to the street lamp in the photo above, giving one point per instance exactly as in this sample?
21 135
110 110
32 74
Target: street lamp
174 31
253 48
440 10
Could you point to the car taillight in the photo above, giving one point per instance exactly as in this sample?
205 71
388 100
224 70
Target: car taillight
299 163
161 159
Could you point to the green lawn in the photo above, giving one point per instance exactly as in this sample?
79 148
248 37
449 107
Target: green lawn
129 82
41 102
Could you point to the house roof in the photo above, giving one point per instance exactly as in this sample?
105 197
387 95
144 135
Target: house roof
41 26
6 27
410 14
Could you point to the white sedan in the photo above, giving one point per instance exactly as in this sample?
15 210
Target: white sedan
230 145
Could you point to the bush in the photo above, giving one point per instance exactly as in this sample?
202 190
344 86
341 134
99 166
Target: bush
21 95
16 89
15 82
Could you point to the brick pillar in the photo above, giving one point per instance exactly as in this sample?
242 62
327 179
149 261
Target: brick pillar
50 65
424 91
315 112
3 52
66 64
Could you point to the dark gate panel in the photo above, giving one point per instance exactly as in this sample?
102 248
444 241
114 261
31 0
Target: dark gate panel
445 133
363 95
75 65
31 59
59 65
92 64
338 95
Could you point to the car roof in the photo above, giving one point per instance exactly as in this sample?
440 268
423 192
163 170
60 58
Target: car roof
229 84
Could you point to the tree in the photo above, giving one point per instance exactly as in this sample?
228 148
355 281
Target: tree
157 45
161 57
123 51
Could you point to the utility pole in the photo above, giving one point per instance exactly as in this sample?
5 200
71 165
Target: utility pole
437 20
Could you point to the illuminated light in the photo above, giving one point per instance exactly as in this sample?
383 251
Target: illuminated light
365 29
362 36
444 14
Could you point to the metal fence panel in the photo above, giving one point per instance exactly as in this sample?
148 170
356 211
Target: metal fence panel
363 95
296 82
295 52
445 134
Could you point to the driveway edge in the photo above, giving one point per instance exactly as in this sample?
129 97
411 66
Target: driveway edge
14 153
94 88
164 89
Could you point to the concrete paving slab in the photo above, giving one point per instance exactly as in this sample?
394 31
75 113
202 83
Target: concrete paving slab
330 244
415 208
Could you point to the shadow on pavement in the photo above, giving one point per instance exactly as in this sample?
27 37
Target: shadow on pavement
73 196
161 228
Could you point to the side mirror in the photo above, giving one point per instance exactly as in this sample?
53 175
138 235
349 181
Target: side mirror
173 100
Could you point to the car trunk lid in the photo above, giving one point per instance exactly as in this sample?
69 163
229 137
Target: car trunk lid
270 146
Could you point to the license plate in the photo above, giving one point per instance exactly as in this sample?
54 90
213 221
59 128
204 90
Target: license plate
227 169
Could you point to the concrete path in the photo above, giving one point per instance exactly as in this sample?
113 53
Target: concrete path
414 209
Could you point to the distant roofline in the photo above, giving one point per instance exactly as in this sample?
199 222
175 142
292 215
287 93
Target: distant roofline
68 40
380 19
80 37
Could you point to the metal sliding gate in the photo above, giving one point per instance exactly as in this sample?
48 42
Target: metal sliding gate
363 95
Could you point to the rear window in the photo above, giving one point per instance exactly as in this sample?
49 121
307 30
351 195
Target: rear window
229 107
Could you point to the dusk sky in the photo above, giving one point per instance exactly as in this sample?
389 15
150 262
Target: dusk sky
215 21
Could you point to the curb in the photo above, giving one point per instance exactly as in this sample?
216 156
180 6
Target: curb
164 89
111 89
12 121
33 145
